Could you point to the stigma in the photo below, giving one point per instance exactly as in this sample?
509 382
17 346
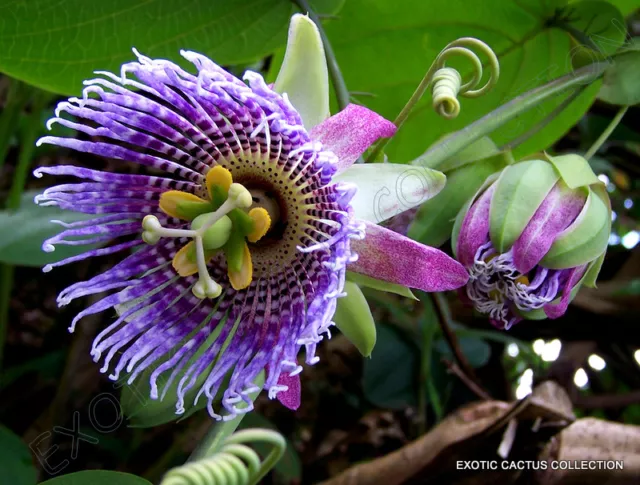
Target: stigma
220 224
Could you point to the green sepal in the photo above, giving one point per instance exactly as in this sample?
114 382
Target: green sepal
381 285
574 170
584 240
304 76
457 223
188 210
593 271
435 218
234 251
353 318
519 192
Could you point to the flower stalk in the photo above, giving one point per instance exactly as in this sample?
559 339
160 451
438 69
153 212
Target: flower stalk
604 136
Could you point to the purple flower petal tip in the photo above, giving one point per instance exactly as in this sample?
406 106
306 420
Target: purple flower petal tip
475 228
389 256
292 396
350 132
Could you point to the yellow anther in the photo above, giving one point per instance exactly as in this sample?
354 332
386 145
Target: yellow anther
183 205
220 177
490 257
184 262
241 279
261 223
523 280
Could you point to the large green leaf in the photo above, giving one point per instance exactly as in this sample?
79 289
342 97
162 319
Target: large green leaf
56 46
23 231
15 460
384 48
620 84
97 477
390 375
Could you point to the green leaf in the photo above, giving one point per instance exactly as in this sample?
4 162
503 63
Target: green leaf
390 375
475 349
353 318
15 459
23 231
384 48
97 477
478 150
55 47
381 285
48 365
574 170
631 288
289 468
620 83
434 220
598 28
624 6
519 192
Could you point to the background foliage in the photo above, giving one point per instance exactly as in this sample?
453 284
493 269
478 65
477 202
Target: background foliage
354 408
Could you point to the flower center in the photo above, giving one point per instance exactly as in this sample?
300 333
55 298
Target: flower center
496 287
218 225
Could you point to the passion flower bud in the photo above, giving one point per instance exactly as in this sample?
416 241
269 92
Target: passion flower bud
531 236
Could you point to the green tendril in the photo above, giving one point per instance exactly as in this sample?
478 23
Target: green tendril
234 463
446 83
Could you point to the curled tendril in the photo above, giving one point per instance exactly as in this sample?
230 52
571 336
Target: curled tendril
447 82
234 463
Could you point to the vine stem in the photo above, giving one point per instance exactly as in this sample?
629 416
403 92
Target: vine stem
340 87
27 147
17 97
606 133
274 438
444 318
452 144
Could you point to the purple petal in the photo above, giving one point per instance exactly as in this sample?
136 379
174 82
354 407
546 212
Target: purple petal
350 132
389 256
556 213
556 310
291 397
475 228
